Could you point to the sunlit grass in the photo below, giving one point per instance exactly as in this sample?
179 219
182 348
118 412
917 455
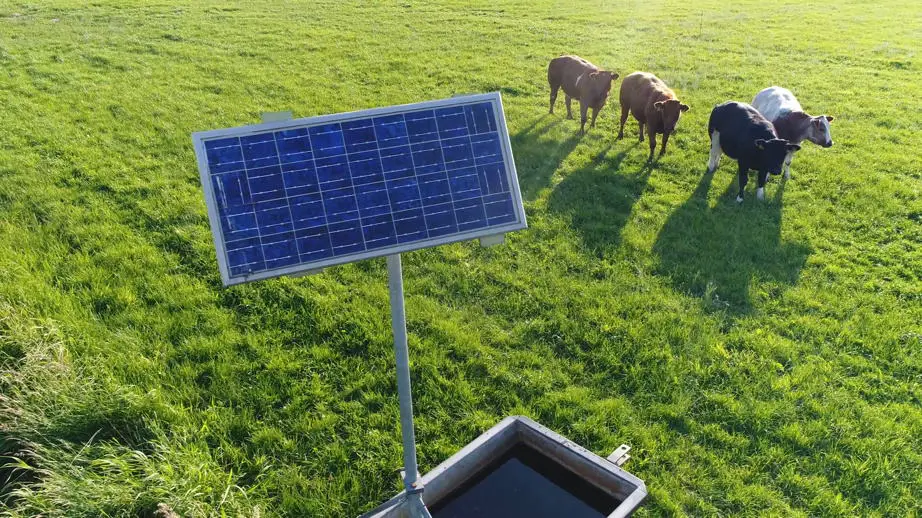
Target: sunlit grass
762 360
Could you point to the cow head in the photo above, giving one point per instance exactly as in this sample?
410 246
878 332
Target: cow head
601 81
670 110
771 153
819 132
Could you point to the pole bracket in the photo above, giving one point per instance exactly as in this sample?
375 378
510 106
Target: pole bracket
496 239
276 116
416 487
620 456
305 273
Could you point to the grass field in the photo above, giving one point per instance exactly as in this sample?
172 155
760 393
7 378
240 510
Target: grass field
762 360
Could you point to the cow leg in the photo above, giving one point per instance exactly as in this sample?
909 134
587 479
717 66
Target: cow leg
595 112
651 135
787 165
760 192
715 152
744 179
567 98
583 108
662 151
624 113
641 130
554 89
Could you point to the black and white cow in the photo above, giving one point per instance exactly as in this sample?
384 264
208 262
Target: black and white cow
781 108
741 132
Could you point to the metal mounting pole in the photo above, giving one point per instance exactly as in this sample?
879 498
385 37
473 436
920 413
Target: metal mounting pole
399 324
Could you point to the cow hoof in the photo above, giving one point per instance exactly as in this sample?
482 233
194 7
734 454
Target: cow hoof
739 199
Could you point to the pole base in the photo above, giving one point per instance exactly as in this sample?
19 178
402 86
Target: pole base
410 506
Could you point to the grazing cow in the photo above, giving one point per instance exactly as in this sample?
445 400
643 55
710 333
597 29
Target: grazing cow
781 108
652 103
741 132
581 80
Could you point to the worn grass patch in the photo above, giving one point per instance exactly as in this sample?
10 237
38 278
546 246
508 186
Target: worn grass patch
762 360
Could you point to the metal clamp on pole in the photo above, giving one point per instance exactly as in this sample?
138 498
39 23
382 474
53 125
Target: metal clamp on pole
620 456
276 116
488 241
417 487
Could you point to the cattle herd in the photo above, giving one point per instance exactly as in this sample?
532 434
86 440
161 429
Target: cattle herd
762 136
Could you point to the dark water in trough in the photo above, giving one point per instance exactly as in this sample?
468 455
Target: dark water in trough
523 482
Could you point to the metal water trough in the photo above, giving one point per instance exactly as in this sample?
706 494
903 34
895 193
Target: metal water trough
473 459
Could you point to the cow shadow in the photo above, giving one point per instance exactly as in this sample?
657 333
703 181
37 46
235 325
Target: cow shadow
717 253
599 197
539 153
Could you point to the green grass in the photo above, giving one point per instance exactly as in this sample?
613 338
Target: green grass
762 360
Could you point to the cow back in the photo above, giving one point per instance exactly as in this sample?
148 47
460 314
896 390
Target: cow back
774 102
740 125
566 71
641 89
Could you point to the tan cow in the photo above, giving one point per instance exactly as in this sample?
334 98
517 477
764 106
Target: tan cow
581 80
653 104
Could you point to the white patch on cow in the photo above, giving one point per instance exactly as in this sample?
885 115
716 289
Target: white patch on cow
760 193
576 84
715 152
787 165
774 102
739 199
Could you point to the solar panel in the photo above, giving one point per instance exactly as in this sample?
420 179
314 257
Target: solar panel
296 195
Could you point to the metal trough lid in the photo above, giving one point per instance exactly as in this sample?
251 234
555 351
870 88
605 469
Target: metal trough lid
461 466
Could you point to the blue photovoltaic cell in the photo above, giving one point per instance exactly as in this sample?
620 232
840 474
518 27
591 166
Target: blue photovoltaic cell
309 194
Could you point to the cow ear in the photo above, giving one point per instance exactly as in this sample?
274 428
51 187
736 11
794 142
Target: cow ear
829 118
793 147
658 105
760 144
684 107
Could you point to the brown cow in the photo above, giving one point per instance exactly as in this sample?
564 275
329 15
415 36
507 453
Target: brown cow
652 103
581 80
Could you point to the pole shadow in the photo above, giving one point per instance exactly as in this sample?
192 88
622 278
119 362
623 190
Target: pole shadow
538 155
599 197
716 253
